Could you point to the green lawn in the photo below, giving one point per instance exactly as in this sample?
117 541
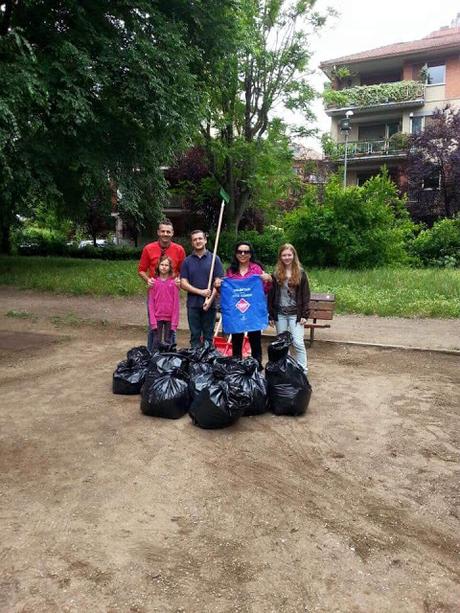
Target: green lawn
401 292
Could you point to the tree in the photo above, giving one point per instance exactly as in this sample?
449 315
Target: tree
97 90
266 68
434 156
355 227
192 182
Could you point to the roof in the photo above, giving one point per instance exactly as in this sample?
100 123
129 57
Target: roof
300 152
443 38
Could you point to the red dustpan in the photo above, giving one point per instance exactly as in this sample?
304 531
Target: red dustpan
224 345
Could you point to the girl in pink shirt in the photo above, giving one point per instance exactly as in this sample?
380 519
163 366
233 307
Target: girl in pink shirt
163 304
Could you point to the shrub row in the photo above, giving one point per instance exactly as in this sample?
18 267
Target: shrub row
110 252
354 227
440 245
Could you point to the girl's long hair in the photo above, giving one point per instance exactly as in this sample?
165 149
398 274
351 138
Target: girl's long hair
280 268
234 264
163 258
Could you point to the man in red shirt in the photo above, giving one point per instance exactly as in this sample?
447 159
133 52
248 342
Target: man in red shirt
151 255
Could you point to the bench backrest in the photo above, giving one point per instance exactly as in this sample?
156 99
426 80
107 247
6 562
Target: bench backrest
322 306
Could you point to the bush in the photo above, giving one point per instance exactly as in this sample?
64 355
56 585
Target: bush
110 252
355 227
265 244
439 245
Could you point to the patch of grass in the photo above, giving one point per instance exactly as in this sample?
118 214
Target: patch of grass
69 319
75 321
20 314
71 276
403 292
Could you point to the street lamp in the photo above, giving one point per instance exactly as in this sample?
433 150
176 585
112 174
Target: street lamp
345 128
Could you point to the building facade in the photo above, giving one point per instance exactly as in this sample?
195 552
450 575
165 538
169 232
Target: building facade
387 93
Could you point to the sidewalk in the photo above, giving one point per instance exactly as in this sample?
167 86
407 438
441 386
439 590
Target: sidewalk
428 334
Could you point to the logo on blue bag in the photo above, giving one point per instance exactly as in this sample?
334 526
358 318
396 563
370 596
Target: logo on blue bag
242 305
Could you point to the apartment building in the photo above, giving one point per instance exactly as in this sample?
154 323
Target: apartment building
382 94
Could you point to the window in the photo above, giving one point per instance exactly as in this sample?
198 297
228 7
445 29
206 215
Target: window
417 125
378 131
362 177
393 127
436 75
374 132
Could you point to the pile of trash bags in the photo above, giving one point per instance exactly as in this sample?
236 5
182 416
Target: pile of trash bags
214 390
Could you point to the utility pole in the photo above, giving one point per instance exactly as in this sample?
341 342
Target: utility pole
345 128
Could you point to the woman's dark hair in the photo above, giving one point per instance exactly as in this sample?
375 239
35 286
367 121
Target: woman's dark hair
235 265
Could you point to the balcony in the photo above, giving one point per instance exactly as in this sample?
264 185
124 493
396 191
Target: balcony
374 98
365 150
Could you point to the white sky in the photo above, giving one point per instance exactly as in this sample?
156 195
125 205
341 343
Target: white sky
366 24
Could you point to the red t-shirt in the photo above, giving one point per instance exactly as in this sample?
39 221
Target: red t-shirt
151 255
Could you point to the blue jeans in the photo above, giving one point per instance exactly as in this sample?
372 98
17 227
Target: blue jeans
201 324
288 322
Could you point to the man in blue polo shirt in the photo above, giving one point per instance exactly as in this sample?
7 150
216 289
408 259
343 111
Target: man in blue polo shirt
194 277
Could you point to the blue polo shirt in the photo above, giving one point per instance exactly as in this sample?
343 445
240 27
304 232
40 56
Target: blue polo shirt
196 270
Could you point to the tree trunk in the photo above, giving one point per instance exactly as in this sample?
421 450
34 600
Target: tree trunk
5 241
445 193
241 208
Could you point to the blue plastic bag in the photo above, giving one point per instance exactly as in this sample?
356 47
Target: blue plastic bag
244 305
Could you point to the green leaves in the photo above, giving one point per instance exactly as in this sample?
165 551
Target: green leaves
369 95
266 68
97 90
355 227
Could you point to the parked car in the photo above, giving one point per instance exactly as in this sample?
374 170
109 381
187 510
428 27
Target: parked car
100 242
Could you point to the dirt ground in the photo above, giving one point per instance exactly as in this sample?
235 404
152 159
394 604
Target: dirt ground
350 508
399 332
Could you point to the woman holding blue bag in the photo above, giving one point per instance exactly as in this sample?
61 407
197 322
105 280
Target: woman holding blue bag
243 266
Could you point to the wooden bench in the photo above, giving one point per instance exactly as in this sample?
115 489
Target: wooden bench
321 308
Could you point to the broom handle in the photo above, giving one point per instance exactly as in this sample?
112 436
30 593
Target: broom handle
217 327
216 243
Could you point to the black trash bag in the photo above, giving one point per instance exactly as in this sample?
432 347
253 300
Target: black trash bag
128 378
166 395
196 369
129 375
279 348
167 347
198 382
230 364
162 363
248 388
289 391
139 355
204 353
206 373
210 409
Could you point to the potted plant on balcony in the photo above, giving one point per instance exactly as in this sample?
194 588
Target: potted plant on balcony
343 76
398 142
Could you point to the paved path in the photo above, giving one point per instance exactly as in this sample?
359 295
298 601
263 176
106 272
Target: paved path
434 334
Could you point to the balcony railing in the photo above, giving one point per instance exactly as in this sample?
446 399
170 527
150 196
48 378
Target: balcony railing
367 96
371 148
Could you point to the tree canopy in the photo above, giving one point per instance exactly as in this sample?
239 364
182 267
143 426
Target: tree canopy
434 160
92 91
268 68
